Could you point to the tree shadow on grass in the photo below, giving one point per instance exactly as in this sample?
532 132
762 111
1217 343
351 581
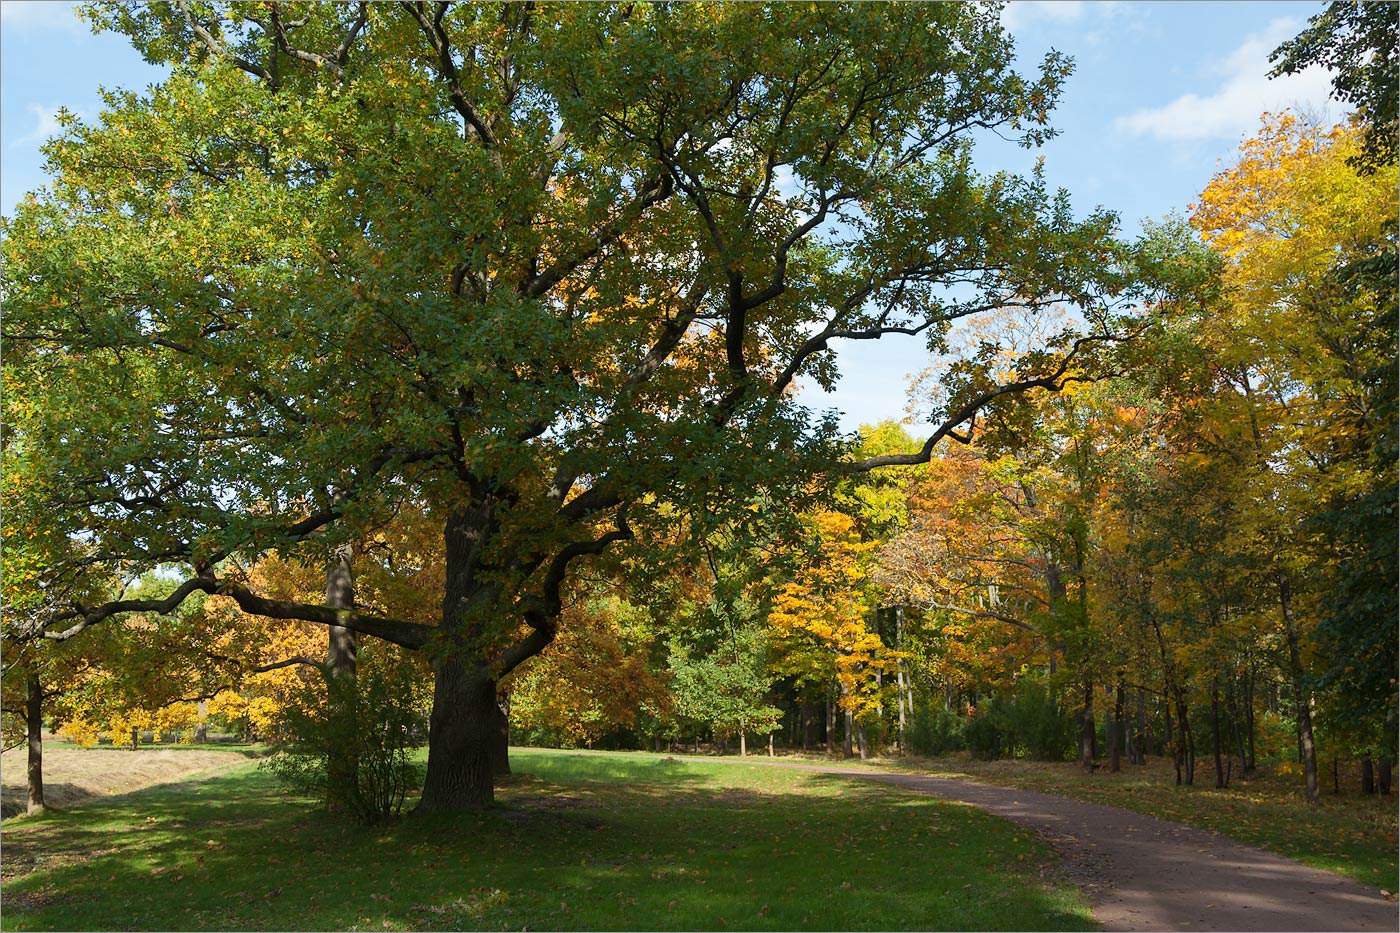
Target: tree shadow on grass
620 845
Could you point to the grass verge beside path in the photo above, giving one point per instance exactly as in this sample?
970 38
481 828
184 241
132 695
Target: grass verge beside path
1349 834
579 842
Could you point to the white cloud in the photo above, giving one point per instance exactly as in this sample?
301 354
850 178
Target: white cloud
1017 14
46 125
1093 22
30 16
1246 92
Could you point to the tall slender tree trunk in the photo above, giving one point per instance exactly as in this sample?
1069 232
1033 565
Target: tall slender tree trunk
902 678
342 653
1249 710
201 729
831 719
1383 781
342 644
1185 738
1144 738
34 725
1215 733
1231 697
342 656
861 742
1086 727
848 739
1368 776
1304 700
1167 737
500 740
1114 765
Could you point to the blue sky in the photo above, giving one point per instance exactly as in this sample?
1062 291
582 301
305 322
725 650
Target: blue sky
1162 95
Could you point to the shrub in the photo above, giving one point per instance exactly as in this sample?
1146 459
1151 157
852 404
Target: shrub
984 733
1036 726
359 758
935 730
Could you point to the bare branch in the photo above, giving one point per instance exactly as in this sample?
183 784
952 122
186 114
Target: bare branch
988 614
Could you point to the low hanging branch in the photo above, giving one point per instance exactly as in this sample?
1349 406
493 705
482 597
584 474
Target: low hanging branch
405 634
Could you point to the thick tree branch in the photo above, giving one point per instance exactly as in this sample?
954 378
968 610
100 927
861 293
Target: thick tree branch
653 192
447 69
542 612
217 47
987 614
405 634
1053 382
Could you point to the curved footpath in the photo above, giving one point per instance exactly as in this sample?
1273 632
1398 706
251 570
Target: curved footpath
1143 873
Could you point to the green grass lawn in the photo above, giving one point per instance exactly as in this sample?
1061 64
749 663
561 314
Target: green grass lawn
579 842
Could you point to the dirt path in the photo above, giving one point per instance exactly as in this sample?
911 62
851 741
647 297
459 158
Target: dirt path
1143 873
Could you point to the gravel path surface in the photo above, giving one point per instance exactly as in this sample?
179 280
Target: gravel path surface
1143 873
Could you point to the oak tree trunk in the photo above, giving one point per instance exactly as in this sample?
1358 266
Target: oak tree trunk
1383 783
462 730
1368 776
342 644
465 724
34 725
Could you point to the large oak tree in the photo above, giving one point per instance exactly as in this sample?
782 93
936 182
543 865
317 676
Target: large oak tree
555 270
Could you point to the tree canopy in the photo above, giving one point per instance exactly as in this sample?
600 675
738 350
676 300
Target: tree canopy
550 273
